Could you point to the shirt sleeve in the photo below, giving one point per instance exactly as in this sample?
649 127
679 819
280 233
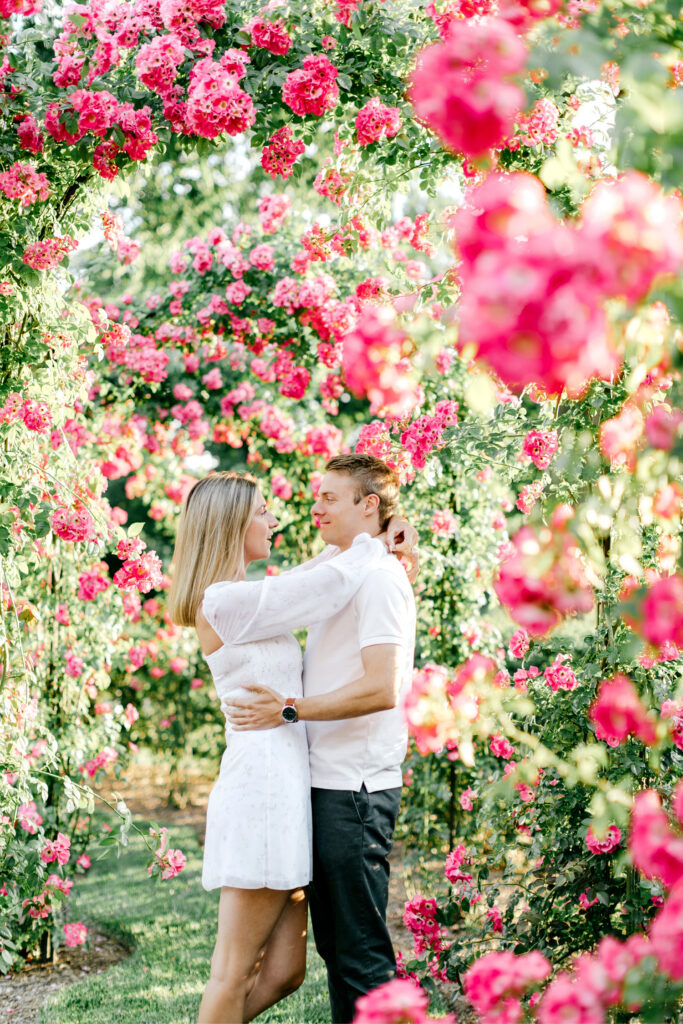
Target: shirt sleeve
383 610
244 611
328 552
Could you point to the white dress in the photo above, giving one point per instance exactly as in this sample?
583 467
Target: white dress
258 821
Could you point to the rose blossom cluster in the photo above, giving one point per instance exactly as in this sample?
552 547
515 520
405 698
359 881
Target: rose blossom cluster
375 121
270 35
157 64
543 319
121 30
167 863
540 446
463 89
281 152
598 982
528 496
216 103
40 906
137 352
495 981
419 917
312 89
142 573
429 938
617 713
538 127
519 644
438 708
93 582
29 134
443 523
545 576
609 842
49 253
454 863
559 676
619 436
428 711
656 851
673 710
25 183
73 524
100 114
375 438
426 433
36 416
660 612
375 362
329 182
75 934
29 818
500 746
273 210
397 1002
105 757
58 849
25 7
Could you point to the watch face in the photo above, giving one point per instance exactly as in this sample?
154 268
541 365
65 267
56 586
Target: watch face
289 713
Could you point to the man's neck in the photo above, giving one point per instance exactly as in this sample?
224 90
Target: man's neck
373 530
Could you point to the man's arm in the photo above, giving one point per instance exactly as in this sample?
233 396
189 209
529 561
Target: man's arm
377 689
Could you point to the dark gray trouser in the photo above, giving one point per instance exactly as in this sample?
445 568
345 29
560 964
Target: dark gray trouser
352 839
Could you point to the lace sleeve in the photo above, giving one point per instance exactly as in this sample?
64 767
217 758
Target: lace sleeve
328 552
244 611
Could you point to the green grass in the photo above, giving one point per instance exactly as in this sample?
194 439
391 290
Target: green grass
171 927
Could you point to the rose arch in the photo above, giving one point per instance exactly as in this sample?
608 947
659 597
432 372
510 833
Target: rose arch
456 245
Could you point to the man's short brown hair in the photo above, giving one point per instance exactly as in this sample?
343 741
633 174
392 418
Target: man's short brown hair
372 476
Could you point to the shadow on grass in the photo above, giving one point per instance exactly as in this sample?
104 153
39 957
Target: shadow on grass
171 928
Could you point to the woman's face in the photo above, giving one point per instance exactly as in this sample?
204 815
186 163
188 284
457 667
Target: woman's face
259 531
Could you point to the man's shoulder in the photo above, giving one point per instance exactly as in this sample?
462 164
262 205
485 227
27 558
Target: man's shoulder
389 574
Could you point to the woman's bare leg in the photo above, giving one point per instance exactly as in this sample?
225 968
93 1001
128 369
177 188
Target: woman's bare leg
246 918
283 966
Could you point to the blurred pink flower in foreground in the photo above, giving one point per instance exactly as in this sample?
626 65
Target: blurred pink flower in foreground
545 577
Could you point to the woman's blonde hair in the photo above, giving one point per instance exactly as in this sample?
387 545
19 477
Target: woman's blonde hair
210 541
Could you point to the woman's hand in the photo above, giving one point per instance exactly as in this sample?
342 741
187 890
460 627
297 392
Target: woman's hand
402 540
262 709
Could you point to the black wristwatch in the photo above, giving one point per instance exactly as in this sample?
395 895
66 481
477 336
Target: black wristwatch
289 712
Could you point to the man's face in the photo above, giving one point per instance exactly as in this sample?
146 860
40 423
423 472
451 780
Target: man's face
339 518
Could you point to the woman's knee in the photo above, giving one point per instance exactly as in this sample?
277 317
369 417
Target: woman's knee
291 982
284 978
233 972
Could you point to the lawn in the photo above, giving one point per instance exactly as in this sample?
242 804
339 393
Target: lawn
171 926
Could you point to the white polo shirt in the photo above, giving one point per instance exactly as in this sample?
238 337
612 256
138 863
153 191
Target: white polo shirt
369 749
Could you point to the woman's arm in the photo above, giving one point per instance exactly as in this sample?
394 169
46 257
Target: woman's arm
241 611
330 551
377 689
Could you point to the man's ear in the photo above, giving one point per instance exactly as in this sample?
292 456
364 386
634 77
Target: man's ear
371 504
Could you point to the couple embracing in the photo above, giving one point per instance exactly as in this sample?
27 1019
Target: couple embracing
309 788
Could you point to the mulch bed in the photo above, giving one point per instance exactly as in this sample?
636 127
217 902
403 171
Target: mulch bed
22 994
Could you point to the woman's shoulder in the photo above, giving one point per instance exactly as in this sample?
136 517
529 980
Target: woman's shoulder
218 584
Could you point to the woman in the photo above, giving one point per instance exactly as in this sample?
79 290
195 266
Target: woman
258 833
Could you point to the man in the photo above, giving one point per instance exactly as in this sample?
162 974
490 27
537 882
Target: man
357 668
